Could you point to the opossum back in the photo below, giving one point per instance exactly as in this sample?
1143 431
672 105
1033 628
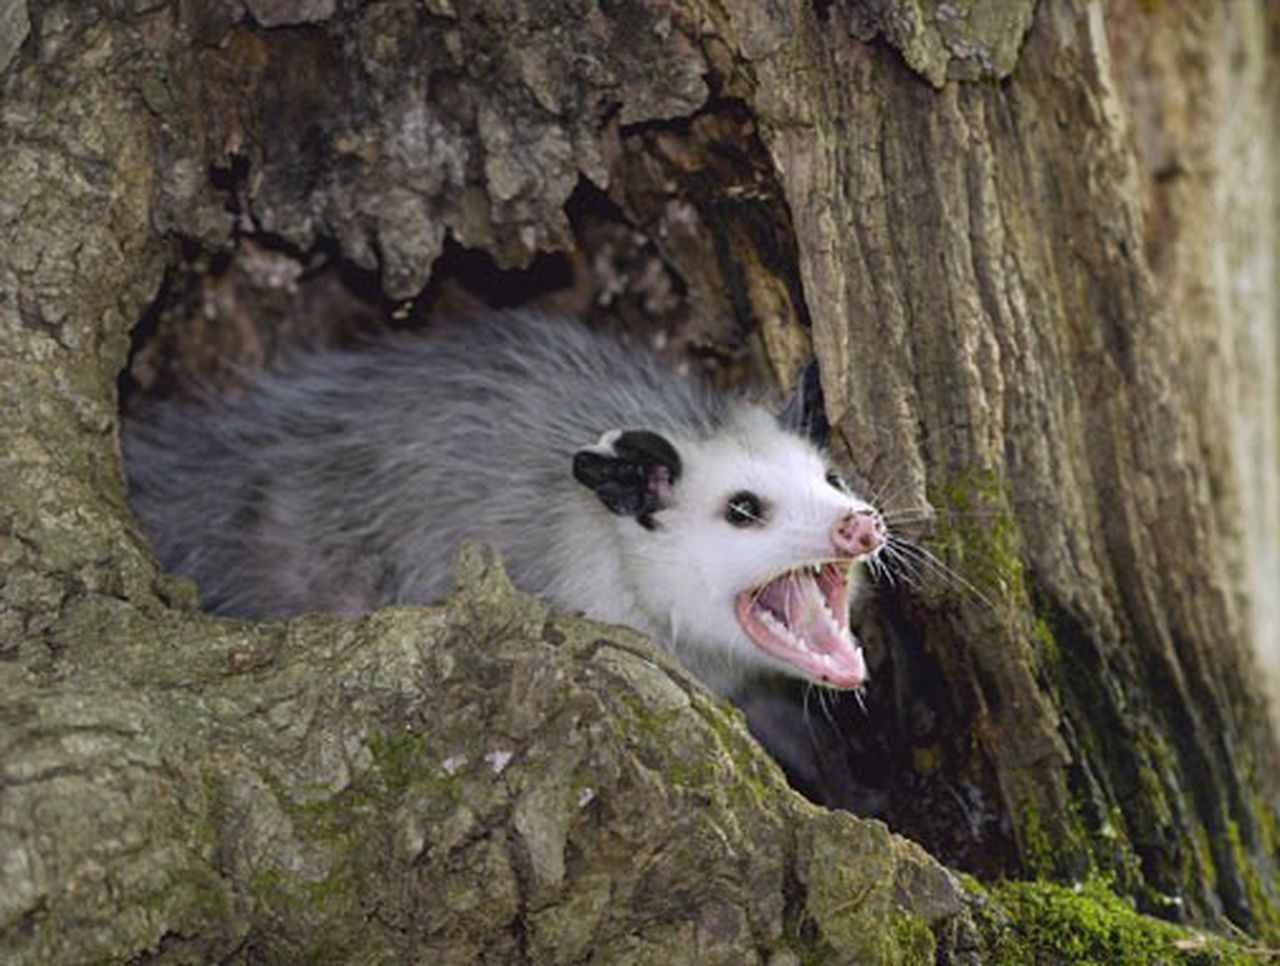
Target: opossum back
347 480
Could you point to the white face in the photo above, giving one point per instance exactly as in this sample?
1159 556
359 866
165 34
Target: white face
729 567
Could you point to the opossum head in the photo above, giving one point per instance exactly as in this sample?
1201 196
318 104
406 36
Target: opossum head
744 546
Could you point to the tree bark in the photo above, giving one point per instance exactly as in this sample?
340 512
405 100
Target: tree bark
1061 345
1033 246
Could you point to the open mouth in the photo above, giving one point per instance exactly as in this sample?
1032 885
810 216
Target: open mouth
802 618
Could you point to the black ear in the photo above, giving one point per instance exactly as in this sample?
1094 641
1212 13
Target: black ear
805 414
631 472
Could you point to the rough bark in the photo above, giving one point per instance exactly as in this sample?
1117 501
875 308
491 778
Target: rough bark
445 787
1000 222
1043 359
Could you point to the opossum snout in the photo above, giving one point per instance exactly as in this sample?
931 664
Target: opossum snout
858 532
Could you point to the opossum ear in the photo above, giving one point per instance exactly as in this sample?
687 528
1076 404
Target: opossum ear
631 472
805 413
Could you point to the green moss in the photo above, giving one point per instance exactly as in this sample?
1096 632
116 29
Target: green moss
1036 846
399 758
1089 924
1269 836
873 934
1152 795
1055 844
758 777
298 905
912 939
290 897
400 763
1047 647
330 841
1154 762
651 722
863 910
978 536
1201 854
1262 905
1266 904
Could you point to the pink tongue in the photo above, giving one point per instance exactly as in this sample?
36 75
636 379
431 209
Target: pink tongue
775 597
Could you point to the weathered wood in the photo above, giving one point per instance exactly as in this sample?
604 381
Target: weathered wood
1013 321
1035 249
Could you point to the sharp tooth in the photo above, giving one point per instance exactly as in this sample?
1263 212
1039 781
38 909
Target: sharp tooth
831 618
784 632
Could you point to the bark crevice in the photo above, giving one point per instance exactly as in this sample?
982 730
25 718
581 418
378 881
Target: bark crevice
1003 280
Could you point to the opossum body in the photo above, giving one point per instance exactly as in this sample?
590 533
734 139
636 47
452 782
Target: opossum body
609 484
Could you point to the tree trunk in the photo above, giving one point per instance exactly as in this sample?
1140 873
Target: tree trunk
1033 246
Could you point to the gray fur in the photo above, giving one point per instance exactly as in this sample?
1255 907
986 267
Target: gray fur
347 482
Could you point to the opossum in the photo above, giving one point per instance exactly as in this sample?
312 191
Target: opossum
609 484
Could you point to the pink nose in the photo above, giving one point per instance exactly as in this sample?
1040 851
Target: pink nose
858 532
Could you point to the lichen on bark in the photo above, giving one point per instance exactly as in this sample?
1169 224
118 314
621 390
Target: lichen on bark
490 779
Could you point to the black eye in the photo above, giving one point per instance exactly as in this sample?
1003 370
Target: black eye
744 509
837 481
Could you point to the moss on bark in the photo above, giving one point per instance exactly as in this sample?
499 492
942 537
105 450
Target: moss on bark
491 780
